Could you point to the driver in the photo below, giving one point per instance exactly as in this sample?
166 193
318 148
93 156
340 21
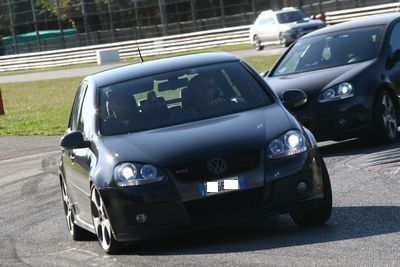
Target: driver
206 93
122 111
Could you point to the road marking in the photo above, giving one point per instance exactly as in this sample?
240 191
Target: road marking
29 157
21 175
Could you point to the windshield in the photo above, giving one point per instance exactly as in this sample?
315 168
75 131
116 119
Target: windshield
291 16
331 50
178 97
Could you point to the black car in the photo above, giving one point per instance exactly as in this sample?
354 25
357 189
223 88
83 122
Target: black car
181 143
351 75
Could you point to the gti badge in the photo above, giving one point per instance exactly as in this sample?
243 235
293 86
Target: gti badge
181 171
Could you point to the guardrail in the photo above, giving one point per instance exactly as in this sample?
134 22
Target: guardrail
148 47
354 13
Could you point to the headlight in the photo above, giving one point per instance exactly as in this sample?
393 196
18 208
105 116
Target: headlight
148 171
127 174
291 143
341 91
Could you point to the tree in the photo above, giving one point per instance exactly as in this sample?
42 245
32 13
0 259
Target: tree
49 8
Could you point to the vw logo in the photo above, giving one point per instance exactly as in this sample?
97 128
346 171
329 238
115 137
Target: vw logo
217 165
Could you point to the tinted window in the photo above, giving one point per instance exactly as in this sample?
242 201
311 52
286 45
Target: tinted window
86 117
73 121
395 38
178 97
332 49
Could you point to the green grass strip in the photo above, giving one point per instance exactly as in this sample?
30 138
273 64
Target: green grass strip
43 107
226 48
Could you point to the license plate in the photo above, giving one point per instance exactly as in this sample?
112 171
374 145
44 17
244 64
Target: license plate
220 186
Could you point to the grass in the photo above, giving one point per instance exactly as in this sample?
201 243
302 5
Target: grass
225 48
37 108
43 107
262 63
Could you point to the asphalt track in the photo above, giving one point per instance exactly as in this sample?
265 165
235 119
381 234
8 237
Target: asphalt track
364 229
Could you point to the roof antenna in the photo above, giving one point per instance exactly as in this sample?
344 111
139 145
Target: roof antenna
140 54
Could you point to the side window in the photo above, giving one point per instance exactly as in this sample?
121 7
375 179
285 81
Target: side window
258 20
394 38
271 20
73 121
86 117
267 20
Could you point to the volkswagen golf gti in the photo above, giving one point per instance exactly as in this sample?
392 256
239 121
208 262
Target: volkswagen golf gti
182 143
351 75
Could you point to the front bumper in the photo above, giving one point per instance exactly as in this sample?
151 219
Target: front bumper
167 213
293 35
336 120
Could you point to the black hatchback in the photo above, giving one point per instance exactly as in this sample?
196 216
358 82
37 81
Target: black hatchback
351 75
181 143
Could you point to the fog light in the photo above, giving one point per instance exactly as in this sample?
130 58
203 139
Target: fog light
341 122
141 218
302 187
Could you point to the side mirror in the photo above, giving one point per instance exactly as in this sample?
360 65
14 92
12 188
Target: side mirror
74 140
294 98
264 74
394 58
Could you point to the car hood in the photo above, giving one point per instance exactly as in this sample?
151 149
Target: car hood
194 141
313 82
304 24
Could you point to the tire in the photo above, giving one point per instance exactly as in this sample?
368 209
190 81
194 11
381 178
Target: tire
385 120
77 233
102 224
257 43
316 216
283 41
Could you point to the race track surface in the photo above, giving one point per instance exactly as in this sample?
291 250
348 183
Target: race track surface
364 229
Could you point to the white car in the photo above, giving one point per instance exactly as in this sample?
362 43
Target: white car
281 27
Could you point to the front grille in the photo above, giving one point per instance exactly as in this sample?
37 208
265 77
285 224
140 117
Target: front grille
197 171
225 204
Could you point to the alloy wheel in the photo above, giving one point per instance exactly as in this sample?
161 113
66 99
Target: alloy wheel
283 40
100 221
257 43
389 116
67 209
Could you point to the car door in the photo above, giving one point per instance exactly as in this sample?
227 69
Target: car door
68 157
394 45
267 28
78 161
274 33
